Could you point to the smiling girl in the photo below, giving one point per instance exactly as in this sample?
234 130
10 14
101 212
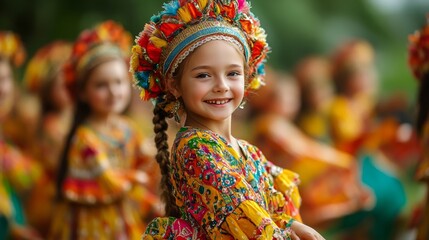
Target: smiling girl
197 60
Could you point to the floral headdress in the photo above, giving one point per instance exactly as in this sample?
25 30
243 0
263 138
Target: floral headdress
184 25
106 39
46 64
12 48
418 53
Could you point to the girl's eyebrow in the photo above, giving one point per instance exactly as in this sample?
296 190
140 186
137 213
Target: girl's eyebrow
200 67
233 65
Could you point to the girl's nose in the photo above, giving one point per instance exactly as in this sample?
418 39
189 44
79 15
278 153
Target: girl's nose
221 84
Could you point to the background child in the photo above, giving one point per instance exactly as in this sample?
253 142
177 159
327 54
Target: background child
330 184
44 78
418 59
102 159
200 57
353 128
17 172
316 90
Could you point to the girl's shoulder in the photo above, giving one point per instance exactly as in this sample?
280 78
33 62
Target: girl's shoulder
85 135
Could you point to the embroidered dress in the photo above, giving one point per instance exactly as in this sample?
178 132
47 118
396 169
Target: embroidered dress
17 176
99 200
50 143
222 195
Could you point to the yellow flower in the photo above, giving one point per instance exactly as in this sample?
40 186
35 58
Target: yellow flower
184 14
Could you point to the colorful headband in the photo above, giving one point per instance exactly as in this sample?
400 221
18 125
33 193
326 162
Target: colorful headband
105 40
418 52
12 48
183 26
46 64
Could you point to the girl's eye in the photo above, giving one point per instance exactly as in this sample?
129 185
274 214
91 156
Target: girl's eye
234 73
203 75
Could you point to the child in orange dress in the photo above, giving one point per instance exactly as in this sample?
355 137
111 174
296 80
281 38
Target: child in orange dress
329 179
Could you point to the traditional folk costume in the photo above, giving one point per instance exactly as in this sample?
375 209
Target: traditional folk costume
316 90
219 194
43 76
17 172
100 199
222 195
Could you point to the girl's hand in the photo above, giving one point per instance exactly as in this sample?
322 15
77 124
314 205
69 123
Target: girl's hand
301 231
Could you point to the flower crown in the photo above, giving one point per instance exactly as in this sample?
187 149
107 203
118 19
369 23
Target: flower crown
12 48
107 38
46 63
418 52
184 25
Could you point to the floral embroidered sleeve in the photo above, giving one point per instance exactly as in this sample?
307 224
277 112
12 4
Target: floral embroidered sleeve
91 178
215 193
20 171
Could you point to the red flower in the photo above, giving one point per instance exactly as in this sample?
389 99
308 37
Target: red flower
229 11
153 52
246 25
257 49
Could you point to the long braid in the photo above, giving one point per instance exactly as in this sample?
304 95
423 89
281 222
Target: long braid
423 104
162 157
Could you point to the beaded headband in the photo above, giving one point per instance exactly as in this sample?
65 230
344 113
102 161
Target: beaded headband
12 48
418 52
108 39
183 26
46 64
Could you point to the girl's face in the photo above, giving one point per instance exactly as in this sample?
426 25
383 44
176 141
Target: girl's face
6 89
285 99
363 81
319 94
212 82
108 89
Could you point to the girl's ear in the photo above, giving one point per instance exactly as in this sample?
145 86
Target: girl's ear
173 88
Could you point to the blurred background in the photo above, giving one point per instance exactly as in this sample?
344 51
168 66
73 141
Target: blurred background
295 28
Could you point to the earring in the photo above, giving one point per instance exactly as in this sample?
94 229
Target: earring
242 104
175 111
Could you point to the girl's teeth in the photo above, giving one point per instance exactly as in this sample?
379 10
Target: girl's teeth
218 102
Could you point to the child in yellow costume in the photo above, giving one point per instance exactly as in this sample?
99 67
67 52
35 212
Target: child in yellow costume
44 78
329 179
17 172
353 130
316 90
101 182
196 60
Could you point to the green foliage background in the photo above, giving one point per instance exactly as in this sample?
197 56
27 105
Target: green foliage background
296 28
